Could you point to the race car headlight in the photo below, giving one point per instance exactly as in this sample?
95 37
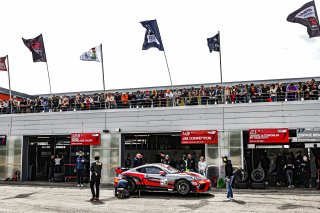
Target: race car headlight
196 178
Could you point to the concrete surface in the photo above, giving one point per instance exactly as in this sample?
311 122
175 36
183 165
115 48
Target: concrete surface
23 198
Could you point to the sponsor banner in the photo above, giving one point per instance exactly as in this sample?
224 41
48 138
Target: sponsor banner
263 136
308 135
199 137
85 139
3 140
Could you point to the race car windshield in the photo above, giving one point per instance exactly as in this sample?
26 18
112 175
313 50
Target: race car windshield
170 169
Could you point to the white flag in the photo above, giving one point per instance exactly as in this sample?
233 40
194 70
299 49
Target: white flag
94 54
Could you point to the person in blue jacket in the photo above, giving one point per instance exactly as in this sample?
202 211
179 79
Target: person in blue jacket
80 165
124 184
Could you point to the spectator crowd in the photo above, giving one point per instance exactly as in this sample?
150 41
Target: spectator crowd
232 94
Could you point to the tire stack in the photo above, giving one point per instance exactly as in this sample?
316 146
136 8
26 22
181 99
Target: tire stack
241 179
58 177
257 177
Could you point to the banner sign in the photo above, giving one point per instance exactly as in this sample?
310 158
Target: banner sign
85 139
199 137
3 140
265 136
308 135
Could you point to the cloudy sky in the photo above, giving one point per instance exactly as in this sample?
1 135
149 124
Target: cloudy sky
256 41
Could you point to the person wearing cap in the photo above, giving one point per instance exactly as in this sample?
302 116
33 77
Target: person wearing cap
95 168
80 164
229 179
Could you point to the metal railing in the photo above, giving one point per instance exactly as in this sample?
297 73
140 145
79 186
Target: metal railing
176 101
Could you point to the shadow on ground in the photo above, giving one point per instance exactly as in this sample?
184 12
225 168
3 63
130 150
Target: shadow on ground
173 195
26 195
97 202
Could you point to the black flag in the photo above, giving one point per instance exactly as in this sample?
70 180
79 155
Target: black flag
307 16
152 37
36 46
214 43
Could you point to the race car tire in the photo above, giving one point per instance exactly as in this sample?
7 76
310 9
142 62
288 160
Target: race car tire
132 186
257 175
241 176
183 187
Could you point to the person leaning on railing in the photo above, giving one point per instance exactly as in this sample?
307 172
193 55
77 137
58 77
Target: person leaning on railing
265 94
117 98
253 93
292 91
111 103
273 92
147 99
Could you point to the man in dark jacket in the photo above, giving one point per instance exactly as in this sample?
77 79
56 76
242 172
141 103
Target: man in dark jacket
305 170
80 164
127 162
51 167
137 161
191 163
181 164
95 169
229 179
265 164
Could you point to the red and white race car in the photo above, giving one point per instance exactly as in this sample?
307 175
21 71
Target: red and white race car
162 177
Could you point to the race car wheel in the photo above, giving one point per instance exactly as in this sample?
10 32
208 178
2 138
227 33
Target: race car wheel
132 186
257 175
183 187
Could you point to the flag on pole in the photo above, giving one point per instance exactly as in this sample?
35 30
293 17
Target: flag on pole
152 37
214 43
3 63
307 16
94 54
36 46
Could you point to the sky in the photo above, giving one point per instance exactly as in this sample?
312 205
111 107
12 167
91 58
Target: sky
257 43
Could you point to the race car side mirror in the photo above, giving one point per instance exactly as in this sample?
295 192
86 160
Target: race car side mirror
162 173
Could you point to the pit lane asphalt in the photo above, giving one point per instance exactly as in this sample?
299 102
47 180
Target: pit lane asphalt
28 198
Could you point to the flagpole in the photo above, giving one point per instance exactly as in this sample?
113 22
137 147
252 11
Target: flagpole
164 52
222 96
104 88
49 78
9 84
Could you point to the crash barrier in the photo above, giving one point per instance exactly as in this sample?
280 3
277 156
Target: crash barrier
49 105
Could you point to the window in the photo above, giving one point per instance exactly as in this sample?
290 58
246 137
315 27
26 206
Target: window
149 170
